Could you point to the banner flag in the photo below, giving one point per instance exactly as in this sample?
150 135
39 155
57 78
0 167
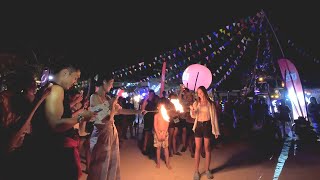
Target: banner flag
294 87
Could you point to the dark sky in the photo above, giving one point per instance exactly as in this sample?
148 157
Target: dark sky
136 32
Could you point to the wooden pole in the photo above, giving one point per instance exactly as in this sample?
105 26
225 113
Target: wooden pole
195 83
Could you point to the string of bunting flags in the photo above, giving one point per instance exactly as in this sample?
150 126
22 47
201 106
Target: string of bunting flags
207 43
182 64
220 67
202 56
207 63
235 63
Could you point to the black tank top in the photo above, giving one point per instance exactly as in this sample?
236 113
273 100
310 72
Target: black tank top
151 105
41 131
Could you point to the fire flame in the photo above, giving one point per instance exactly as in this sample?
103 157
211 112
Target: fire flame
164 113
177 105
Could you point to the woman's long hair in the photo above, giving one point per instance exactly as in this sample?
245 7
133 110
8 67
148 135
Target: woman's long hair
204 90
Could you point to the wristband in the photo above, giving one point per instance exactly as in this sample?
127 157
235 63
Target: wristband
80 118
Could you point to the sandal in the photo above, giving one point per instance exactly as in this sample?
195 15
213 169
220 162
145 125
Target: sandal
196 176
209 175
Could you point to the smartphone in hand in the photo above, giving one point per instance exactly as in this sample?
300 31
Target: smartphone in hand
98 110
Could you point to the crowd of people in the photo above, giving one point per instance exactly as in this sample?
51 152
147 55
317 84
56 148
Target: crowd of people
52 125
47 127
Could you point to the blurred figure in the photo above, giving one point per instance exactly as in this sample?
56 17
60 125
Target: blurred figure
16 112
173 127
183 117
188 100
284 117
77 104
128 119
149 104
314 113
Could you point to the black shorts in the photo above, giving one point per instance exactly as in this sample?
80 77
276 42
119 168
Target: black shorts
189 128
148 122
203 129
182 123
171 124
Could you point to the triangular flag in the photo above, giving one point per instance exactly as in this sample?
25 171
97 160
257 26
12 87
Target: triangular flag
227 27
210 45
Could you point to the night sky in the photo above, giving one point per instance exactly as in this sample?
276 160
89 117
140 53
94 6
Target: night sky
140 32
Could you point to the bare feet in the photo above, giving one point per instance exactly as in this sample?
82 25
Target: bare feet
158 165
169 166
